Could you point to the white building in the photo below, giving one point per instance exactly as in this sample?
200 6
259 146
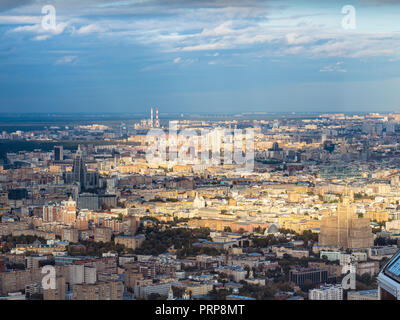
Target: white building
76 273
330 255
346 258
90 275
327 292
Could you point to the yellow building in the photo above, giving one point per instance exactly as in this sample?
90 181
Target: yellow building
213 224
378 216
131 242
346 229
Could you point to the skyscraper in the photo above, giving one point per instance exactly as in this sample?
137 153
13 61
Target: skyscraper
58 153
79 168
345 229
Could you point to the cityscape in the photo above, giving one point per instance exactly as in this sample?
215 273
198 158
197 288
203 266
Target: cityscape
317 218
199 155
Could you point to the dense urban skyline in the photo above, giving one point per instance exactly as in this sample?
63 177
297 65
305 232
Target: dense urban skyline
98 211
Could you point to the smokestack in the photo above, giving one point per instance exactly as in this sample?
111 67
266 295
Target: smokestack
157 123
151 118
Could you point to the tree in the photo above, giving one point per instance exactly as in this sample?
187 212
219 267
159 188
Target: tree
307 285
155 296
178 292
366 279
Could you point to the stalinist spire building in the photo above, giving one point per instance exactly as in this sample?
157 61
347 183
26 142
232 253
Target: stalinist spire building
345 229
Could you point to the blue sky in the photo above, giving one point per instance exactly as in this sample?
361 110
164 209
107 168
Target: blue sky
199 56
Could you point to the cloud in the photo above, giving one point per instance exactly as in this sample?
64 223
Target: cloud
293 38
208 46
91 28
179 60
333 68
66 60
191 26
222 29
19 20
41 38
37 28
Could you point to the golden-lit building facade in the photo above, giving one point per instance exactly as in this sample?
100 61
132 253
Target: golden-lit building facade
345 229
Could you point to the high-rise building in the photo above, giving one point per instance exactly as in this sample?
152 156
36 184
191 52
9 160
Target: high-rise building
131 224
58 153
89 201
70 234
68 211
51 212
76 273
102 234
90 275
79 168
58 293
345 229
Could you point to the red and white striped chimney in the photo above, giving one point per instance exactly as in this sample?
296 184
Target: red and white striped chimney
157 122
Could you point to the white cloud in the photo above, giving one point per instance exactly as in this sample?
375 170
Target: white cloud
19 19
333 68
41 38
66 60
220 30
220 27
184 61
293 38
37 28
91 28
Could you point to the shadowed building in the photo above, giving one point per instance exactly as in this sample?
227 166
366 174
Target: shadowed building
58 153
58 293
79 168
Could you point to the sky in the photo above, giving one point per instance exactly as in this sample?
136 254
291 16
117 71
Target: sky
199 56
